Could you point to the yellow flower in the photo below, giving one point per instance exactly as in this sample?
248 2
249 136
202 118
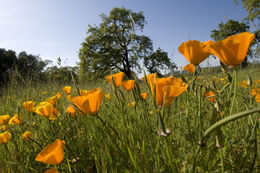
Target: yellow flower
67 90
195 51
131 105
51 170
232 50
44 93
190 68
83 92
28 105
53 154
4 137
143 95
211 96
69 97
15 120
4 119
118 77
108 96
4 128
26 135
128 84
90 103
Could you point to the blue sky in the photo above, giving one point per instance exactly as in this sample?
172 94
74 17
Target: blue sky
56 28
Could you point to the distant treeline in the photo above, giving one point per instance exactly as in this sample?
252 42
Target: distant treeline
23 66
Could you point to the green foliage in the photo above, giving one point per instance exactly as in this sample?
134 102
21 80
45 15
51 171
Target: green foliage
30 65
60 75
157 61
253 8
125 139
7 63
114 44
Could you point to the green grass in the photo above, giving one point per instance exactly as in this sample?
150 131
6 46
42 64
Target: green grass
128 140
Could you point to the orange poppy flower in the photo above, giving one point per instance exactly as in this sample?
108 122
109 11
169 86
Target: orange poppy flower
15 120
150 79
254 91
257 98
4 128
190 68
28 105
4 119
58 95
232 50
167 89
117 79
53 154
143 95
128 84
67 90
71 111
26 135
47 110
90 103
52 100
51 170
195 51
211 96
4 137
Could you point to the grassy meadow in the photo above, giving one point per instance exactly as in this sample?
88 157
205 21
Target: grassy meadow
132 134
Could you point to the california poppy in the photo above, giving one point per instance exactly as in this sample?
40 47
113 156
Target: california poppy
195 51
28 105
53 154
257 98
232 50
166 89
150 79
116 77
190 68
90 103
4 119
67 90
52 100
58 95
211 96
71 111
4 137
51 170
26 135
128 84
47 110
15 120
4 128
143 95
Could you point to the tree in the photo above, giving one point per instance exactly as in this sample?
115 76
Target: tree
252 7
158 60
114 44
8 60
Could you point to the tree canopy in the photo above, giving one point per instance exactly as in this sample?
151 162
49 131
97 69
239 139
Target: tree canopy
115 44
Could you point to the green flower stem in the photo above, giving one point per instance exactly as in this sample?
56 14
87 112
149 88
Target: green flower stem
227 120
